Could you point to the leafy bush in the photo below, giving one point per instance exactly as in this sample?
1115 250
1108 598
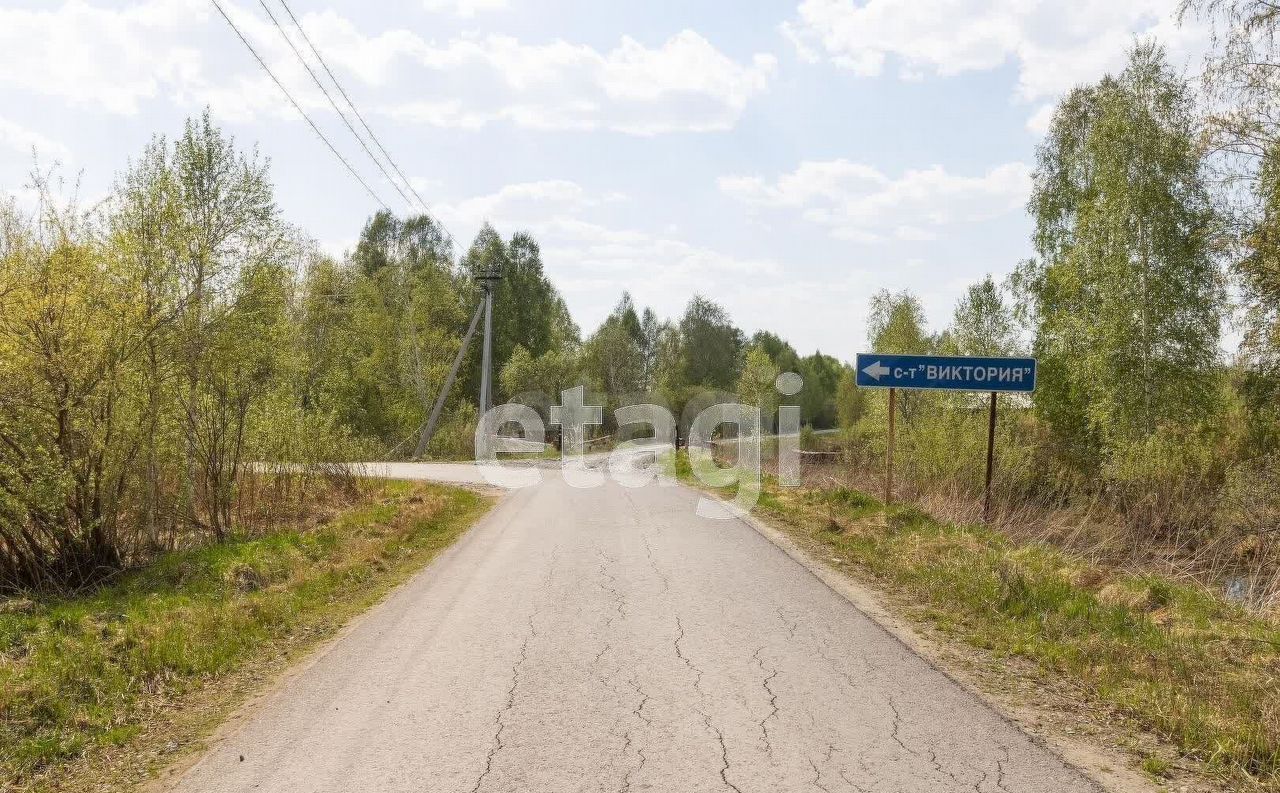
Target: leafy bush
456 438
1169 481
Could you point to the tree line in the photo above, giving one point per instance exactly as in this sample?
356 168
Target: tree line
157 345
683 364
1154 239
1154 203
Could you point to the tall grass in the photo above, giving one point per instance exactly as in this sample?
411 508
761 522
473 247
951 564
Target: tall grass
1178 503
1136 641
81 674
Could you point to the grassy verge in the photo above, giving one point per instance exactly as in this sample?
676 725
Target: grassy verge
86 680
1173 659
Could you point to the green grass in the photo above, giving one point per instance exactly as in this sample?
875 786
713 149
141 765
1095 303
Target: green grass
1173 658
1155 766
80 675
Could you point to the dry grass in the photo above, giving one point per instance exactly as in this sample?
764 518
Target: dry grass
1121 633
82 676
1243 566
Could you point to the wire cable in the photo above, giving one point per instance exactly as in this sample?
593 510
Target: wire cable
350 104
298 107
333 104
377 142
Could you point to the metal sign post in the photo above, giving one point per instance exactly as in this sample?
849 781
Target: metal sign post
991 459
946 373
888 461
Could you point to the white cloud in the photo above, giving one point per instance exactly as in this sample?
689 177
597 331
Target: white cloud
592 261
519 204
464 8
1054 45
116 58
16 137
90 55
1041 119
685 84
658 259
858 202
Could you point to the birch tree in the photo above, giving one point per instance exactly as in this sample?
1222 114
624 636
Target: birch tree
1124 295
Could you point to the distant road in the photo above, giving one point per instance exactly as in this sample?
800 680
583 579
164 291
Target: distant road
608 639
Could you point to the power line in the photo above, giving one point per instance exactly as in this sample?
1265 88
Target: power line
337 84
332 103
298 107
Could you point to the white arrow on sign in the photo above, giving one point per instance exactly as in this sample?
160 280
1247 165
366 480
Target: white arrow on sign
876 370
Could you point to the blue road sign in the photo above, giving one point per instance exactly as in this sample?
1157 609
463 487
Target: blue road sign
946 372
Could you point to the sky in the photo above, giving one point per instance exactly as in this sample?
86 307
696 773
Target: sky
785 159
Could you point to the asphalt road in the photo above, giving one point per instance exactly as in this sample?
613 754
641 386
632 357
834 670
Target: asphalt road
609 639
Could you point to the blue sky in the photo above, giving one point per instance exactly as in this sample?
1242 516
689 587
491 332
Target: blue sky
787 159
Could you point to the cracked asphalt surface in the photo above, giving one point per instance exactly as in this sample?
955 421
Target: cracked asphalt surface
609 639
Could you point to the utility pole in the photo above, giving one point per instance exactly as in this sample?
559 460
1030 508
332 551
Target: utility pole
485 308
429 429
489 281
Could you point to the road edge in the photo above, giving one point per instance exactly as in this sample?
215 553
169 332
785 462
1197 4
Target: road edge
1108 771
263 693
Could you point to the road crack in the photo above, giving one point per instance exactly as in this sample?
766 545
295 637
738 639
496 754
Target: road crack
724 754
1000 769
499 720
666 582
853 784
644 700
706 717
638 712
697 679
770 674
791 624
620 600
897 723
817 776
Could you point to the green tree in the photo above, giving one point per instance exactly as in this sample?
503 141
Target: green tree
821 375
1124 295
548 374
896 324
782 354
406 244
670 385
382 328
67 342
983 324
712 345
527 308
227 227
144 336
538 382
849 401
1260 271
614 357
756 384
1242 83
